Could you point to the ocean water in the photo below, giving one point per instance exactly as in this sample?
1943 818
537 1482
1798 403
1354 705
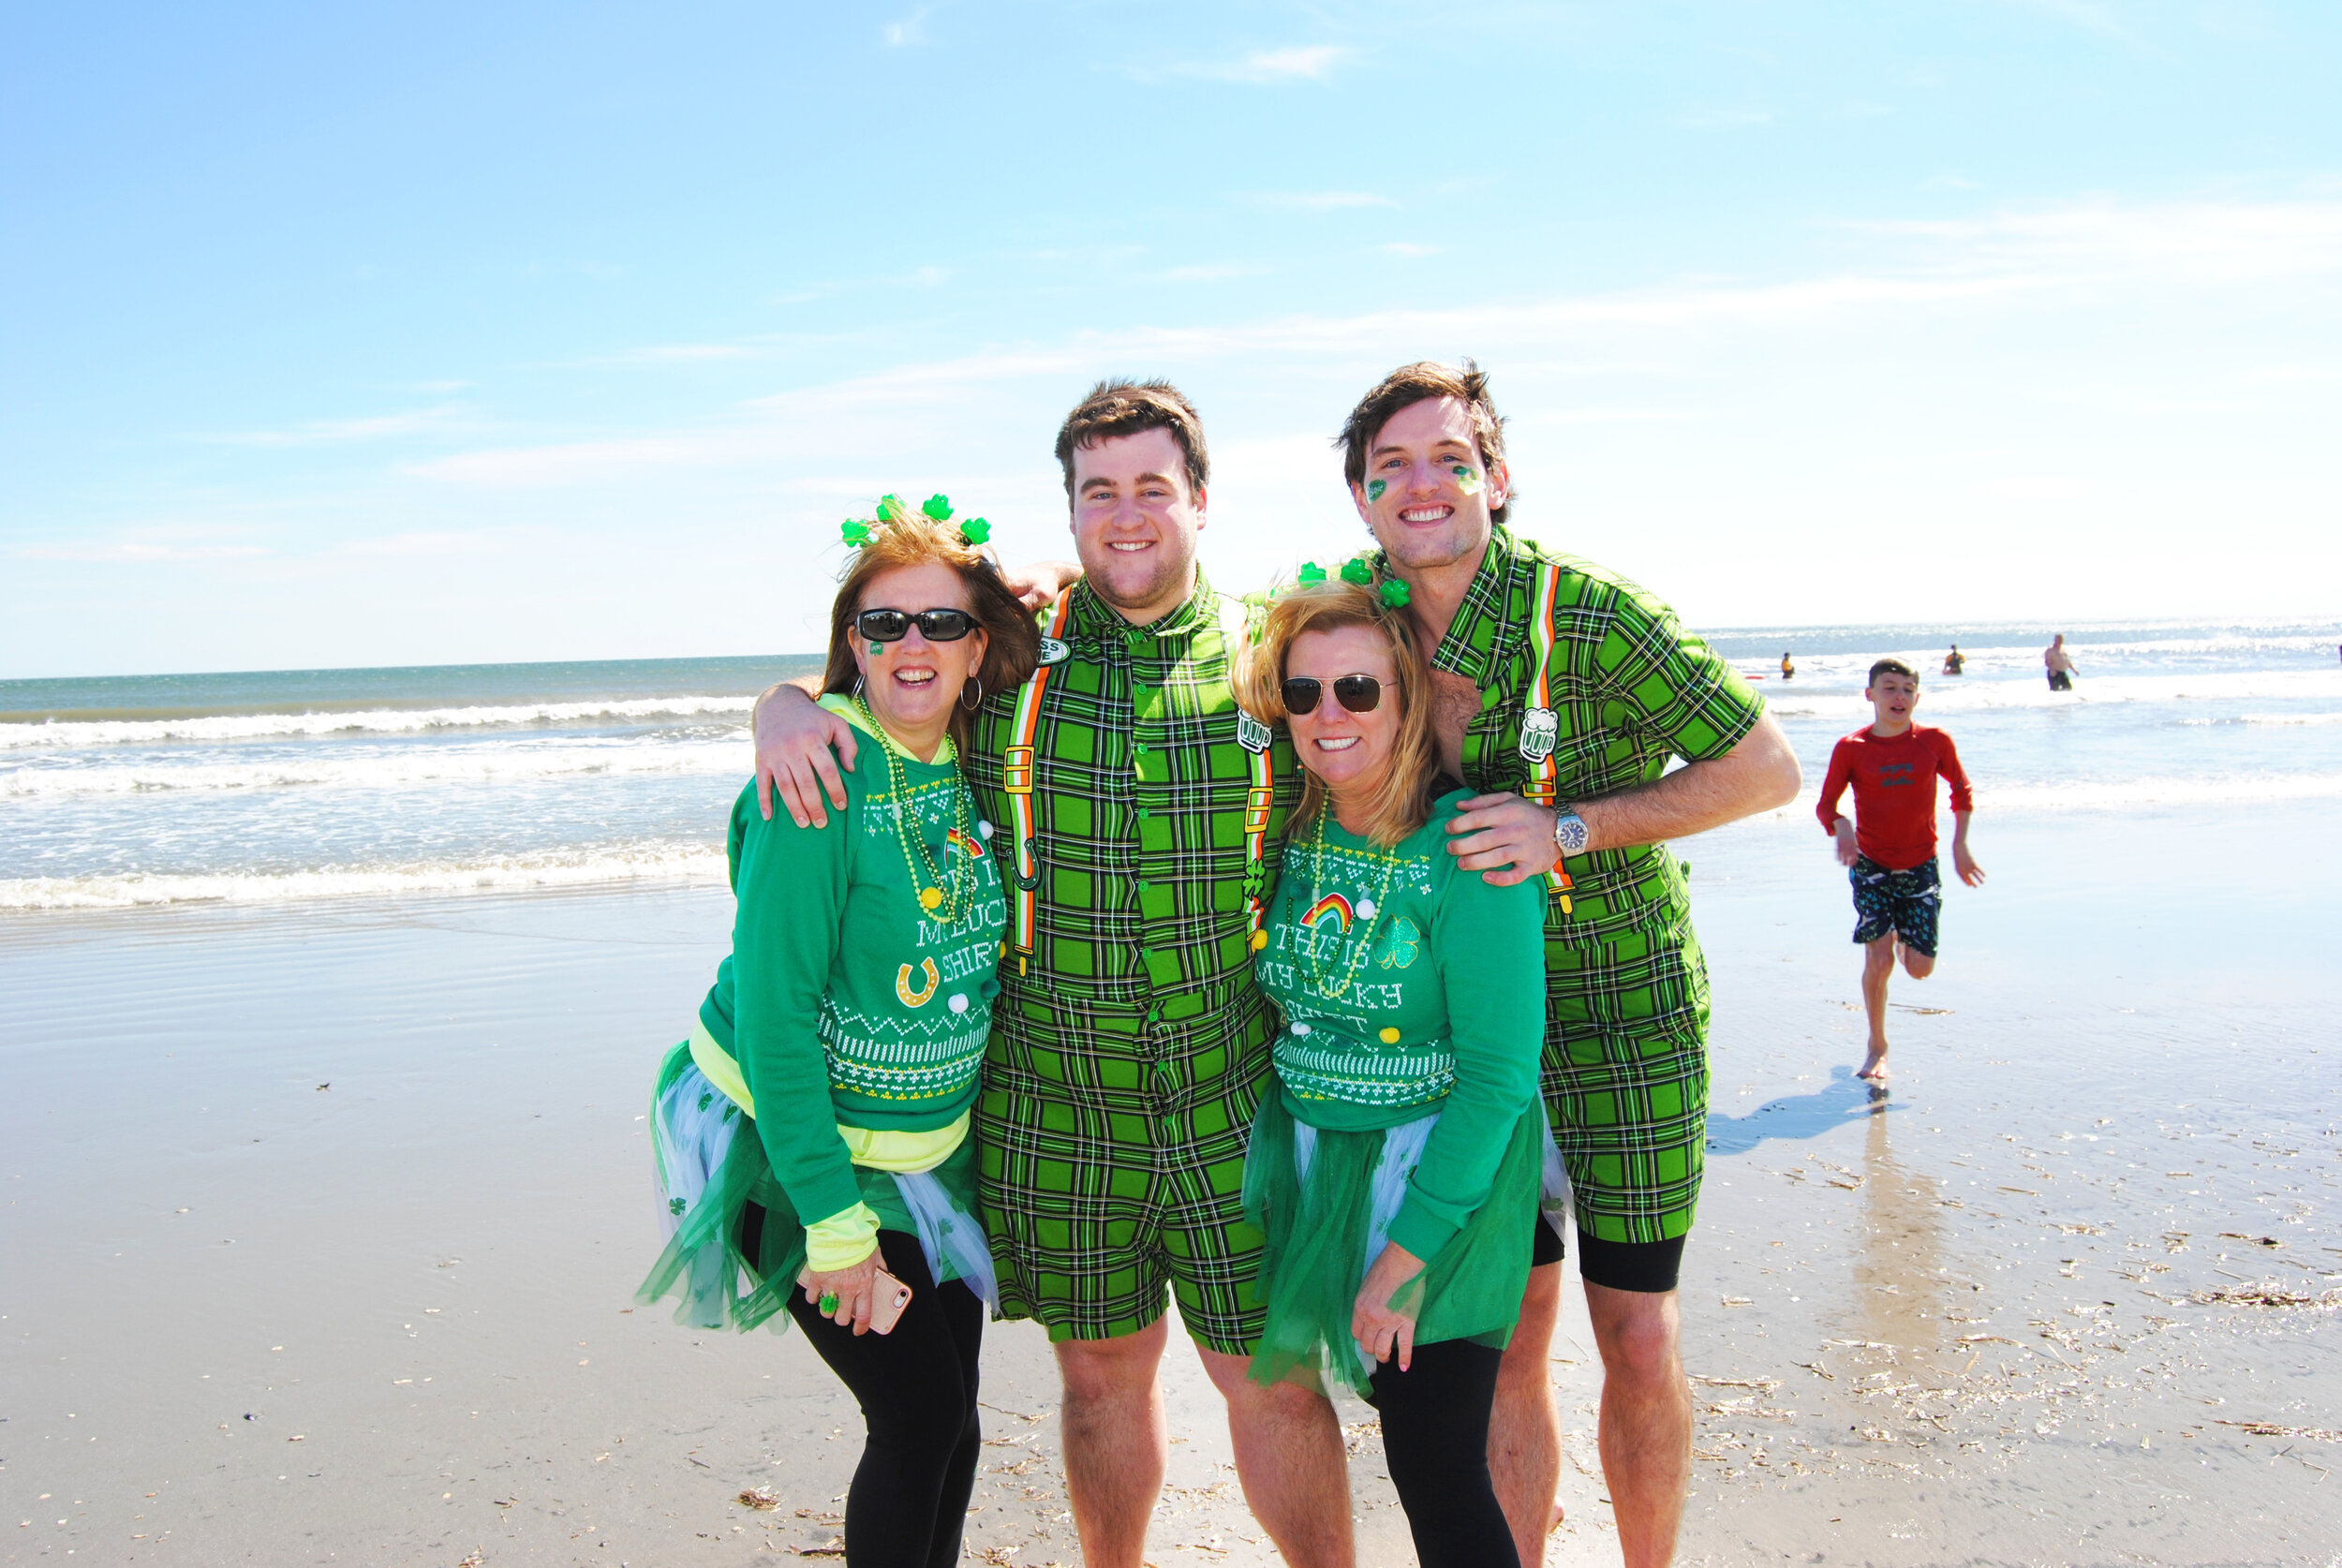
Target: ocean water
307 784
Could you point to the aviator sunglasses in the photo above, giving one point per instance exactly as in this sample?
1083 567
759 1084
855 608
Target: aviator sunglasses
1358 693
936 626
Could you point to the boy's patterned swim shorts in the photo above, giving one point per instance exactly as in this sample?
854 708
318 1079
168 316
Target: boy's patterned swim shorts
1904 902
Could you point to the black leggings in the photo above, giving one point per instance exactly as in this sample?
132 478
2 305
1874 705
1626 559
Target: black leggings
1435 1434
917 1388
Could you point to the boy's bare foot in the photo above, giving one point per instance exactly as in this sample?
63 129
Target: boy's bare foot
1875 1065
1555 1523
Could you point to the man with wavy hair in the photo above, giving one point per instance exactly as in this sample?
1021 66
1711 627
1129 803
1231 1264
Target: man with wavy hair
1560 691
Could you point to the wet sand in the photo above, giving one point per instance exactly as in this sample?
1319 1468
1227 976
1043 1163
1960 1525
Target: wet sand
322 1223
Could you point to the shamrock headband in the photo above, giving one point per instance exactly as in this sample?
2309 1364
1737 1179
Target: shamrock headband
1355 572
858 532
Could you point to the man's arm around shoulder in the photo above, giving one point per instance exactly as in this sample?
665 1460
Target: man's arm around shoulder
794 736
1511 839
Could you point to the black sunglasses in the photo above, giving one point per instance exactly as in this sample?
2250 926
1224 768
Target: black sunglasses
1358 693
936 626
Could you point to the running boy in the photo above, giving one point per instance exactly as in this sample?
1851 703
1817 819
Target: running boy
1890 842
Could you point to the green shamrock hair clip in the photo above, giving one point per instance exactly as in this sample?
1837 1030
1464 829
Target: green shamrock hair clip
891 509
858 534
1394 594
975 530
1311 572
938 507
1357 573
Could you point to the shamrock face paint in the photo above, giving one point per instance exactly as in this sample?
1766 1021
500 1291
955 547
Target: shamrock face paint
876 649
1374 489
1467 479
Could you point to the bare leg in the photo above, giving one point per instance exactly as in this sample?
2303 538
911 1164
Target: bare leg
1646 1419
1524 1428
1878 967
1116 1443
1918 965
1288 1456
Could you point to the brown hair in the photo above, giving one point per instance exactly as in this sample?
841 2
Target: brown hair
1893 667
1012 641
1119 407
1421 383
1403 804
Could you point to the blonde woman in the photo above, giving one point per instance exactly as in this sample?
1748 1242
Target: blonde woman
814 1133
1397 1164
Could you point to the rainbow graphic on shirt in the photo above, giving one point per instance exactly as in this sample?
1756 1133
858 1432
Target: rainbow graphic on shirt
954 839
1334 904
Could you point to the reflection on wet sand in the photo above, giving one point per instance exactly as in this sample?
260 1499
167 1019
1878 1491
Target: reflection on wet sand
1901 1290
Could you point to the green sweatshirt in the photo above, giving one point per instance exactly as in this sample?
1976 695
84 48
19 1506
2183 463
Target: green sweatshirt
851 1003
1408 987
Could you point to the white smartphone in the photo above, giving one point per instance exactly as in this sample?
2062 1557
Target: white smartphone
892 1296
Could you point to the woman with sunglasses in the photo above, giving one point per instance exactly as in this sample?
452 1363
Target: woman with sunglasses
1396 1164
812 1135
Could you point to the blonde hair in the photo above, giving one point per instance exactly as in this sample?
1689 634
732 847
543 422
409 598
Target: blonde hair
1012 641
1402 801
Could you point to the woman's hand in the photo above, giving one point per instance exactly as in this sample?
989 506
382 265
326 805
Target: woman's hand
1373 1322
856 1288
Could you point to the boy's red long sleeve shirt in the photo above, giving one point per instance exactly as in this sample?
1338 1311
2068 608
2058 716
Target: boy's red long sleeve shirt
1894 793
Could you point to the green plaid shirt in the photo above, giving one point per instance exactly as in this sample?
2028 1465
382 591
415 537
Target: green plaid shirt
1625 1037
1141 979
1630 688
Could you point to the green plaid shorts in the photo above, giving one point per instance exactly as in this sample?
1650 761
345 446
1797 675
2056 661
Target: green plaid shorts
1094 1204
1625 1070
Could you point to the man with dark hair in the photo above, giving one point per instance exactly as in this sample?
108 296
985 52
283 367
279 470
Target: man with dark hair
1137 814
1889 847
2059 663
1560 691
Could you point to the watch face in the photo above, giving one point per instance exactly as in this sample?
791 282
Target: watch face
1569 833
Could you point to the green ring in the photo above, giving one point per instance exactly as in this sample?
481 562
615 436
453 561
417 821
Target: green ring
829 1304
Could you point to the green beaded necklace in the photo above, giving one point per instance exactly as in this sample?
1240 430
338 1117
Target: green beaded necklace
943 908
1368 911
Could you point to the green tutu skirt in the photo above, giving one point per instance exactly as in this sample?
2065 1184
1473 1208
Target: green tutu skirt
1327 1201
735 1245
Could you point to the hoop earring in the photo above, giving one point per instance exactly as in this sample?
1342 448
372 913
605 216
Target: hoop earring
857 686
967 707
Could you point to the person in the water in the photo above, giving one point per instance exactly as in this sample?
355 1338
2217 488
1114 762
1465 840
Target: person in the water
1953 663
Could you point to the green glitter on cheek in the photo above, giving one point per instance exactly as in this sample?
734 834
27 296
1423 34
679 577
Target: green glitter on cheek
1467 479
1374 489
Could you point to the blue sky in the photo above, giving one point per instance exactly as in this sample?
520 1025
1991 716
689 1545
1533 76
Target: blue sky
363 334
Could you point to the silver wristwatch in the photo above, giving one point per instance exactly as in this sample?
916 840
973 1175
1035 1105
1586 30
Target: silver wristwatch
1569 833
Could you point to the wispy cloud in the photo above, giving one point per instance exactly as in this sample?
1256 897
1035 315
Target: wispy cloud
137 552
428 543
1268 66
330 431
687 351
911 29
1400 248
2198 241
1318 200
2075 258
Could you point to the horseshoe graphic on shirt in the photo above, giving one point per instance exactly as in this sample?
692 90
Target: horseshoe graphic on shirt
904 994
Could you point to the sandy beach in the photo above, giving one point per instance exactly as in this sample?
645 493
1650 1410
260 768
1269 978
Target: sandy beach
322 1221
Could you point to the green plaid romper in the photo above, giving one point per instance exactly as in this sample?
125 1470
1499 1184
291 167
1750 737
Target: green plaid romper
1625 1079
1129 1050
